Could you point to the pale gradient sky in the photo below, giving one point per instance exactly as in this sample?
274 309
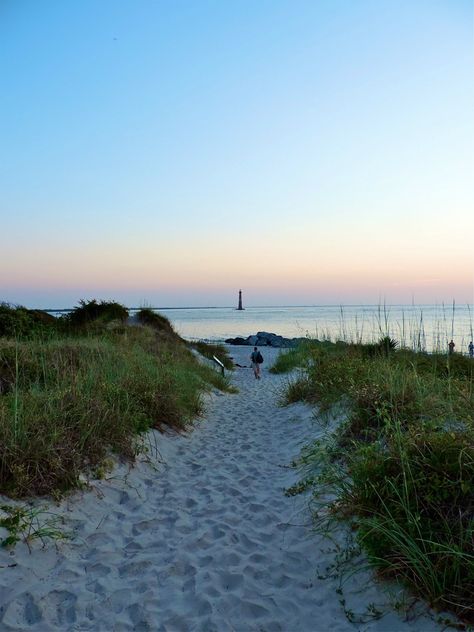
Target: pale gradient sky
172 152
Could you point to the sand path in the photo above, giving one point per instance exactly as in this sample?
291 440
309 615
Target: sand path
207 542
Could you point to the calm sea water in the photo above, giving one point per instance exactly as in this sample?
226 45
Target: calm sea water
427 327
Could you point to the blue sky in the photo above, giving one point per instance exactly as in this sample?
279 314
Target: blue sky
173 152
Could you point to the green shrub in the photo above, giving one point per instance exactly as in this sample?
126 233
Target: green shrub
383 348
89 311
19 322
147 316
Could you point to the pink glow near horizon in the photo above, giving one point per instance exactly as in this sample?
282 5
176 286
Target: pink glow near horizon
329 160
286 272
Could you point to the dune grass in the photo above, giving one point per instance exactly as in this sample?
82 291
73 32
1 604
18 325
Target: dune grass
68 400
402 463
299 356
26 524
288 360
209 350
147 316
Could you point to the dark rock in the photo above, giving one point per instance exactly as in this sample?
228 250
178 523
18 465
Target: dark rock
236 341
265 339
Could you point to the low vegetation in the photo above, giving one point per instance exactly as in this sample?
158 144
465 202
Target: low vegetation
209 350
25 323
299 356
146 316
26 524
402 462
97 312
86 386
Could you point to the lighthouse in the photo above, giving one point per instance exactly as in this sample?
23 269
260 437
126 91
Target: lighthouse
240 308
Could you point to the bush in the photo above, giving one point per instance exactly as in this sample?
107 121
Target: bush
88 312
147 316
19 322
383 348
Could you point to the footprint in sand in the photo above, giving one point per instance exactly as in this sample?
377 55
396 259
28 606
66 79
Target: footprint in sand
204 543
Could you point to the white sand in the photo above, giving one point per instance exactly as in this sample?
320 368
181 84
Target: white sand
207 542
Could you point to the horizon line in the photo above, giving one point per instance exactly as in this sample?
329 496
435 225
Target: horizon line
232 307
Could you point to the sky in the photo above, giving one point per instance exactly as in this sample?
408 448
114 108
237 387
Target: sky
172 152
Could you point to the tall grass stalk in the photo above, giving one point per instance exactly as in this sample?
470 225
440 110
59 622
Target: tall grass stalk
16 394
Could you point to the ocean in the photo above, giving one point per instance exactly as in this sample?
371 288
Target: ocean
425 327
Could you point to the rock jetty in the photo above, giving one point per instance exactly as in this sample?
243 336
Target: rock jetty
265 339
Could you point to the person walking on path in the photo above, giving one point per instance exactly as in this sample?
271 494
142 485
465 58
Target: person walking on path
256 360
471 350
451 347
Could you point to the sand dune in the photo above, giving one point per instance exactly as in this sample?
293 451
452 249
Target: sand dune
202 539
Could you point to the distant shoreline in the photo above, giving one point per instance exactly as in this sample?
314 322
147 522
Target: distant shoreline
250 307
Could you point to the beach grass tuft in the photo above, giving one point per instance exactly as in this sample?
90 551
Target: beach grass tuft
23 523
147 316
209 350
68 401
401 463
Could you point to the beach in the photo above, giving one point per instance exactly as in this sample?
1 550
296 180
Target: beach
198 535
183 182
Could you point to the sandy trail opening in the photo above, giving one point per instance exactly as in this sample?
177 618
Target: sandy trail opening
206 541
